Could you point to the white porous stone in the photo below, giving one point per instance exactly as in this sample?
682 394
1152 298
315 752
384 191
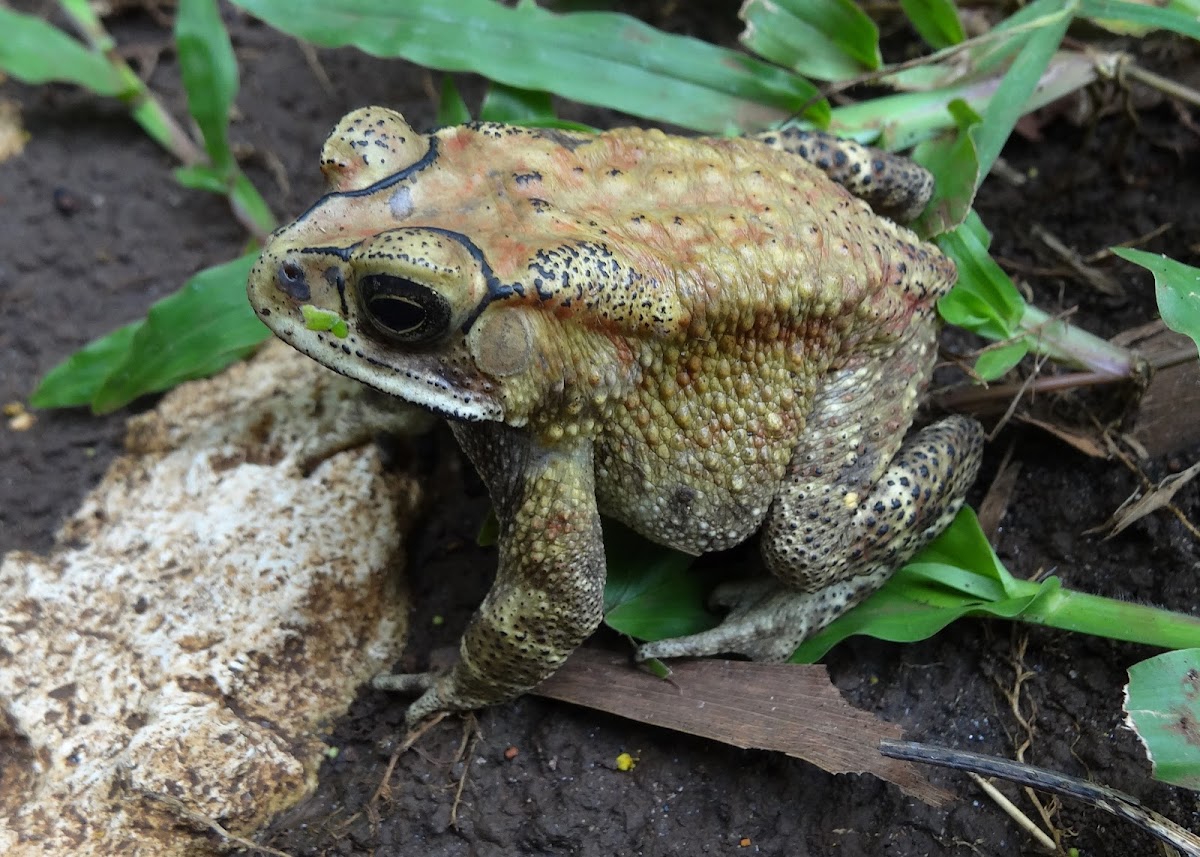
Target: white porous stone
205 615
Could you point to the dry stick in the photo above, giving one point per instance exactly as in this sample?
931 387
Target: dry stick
177 806
465 749
1021 674
384 786
1038 363
1110 800
1014 812
1147 485
1124 66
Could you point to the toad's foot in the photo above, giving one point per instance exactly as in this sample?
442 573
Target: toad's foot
766 622
439 692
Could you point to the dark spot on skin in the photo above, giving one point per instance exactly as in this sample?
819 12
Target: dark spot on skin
682 499
333 276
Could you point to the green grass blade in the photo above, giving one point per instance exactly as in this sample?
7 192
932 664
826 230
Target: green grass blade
592 57
1084 613
1142 15
76 380
195 332
452 110
513 106
936 21
210 75
1162 701
823 39
984 300
1020 82
955 166
1177 287
36 52
935 589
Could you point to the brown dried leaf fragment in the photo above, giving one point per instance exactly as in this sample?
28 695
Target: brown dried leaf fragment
793 709
1136 507
13 135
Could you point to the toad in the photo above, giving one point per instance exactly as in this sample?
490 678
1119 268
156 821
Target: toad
703 338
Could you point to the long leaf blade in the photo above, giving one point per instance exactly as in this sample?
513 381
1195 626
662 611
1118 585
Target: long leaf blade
824 39
195 332
1177 287
210 74
593 57
36 52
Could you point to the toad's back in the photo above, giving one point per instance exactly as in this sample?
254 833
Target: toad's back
655 234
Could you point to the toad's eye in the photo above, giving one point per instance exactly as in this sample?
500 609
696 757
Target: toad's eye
403 310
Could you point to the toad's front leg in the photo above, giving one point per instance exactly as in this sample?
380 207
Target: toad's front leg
549 590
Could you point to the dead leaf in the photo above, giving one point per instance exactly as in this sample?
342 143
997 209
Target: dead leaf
793 709
995 501
1088 444
1167 413
1100 280
1137 507
13 135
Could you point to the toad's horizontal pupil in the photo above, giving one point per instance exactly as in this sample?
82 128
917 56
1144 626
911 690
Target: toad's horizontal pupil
397 313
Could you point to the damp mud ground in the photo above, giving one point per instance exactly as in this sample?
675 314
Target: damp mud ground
95 229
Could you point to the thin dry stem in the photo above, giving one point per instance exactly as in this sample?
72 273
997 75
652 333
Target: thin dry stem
179 808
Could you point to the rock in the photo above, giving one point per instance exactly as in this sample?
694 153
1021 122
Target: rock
204 616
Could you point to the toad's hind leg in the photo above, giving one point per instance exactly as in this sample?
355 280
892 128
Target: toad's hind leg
892 185
858 503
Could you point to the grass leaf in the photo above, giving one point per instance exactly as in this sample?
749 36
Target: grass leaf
36 52
652 591
452 110
984 300
955 166
593 57
210 75
513 106
936 21
995 362
75 381
195 332
1162 704
823 39
1009 102
1177 287
1142 15
959 575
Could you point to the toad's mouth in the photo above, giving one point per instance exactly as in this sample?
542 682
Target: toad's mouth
426 380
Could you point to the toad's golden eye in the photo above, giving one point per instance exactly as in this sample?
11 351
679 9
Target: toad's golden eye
403 310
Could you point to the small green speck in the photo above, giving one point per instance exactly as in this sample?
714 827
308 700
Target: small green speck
331 752
323 319
438 621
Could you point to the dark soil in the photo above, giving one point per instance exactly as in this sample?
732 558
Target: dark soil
67 276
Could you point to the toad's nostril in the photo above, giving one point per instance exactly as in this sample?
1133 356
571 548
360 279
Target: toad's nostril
290 280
